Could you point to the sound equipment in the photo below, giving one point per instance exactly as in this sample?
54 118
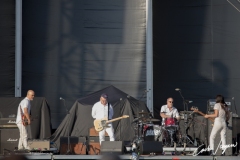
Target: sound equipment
112 147
9 140
212 102
78 145
96 139
39 144
8 123
148 147
218 137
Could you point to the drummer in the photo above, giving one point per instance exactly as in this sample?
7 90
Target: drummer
169 111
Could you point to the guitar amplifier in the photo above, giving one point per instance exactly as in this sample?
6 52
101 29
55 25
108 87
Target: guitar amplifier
8 123
212 102
39 144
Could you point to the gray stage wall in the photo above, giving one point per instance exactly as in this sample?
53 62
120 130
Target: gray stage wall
196 48
75 47
72 48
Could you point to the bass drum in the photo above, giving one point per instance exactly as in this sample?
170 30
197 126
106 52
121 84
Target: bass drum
152 132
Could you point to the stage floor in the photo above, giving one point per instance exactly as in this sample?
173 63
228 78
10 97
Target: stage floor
36 156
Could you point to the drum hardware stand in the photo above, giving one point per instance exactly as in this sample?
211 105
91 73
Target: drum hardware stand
185 105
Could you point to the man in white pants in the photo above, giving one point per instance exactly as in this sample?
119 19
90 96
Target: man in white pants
24 109
100 110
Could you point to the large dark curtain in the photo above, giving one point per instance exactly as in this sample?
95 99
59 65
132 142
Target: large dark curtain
196 48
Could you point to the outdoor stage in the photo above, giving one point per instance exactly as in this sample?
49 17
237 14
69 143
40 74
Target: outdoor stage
167 151
36 156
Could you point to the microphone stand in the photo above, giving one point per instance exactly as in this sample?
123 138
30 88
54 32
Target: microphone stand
68 123
185 106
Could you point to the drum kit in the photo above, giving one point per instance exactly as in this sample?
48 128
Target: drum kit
168 132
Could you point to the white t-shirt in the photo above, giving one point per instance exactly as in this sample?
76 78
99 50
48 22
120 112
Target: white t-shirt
25 103
173 113
221 112
100 111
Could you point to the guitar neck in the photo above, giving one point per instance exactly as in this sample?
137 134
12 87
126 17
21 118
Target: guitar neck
211 119
115 119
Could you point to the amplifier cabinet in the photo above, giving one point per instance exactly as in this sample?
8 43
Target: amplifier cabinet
9 140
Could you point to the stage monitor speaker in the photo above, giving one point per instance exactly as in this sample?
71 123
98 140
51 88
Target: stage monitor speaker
148 147
112 147
218 137
9 140
77 145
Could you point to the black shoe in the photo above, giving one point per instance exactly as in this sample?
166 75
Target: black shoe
223 154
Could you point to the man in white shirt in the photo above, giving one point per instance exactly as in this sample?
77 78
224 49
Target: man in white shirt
100 110
24 110
168 111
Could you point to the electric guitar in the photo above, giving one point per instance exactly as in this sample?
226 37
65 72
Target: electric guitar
101 124
195 109
25 120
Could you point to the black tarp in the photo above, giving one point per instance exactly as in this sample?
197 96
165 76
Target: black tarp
40 127
79 120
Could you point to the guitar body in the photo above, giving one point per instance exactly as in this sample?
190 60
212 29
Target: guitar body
100 124
24 120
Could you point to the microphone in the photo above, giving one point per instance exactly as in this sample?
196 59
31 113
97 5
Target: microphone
188 101
61 99
177 89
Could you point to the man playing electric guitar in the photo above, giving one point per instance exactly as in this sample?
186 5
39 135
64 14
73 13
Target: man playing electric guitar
100 110
23 113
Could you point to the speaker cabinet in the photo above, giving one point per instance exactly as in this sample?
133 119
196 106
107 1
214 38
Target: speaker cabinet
147 147
77 145
218 137
112 147
9 139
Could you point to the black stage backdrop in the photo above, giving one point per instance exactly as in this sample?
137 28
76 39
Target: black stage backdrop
7 47
196 48
40 127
